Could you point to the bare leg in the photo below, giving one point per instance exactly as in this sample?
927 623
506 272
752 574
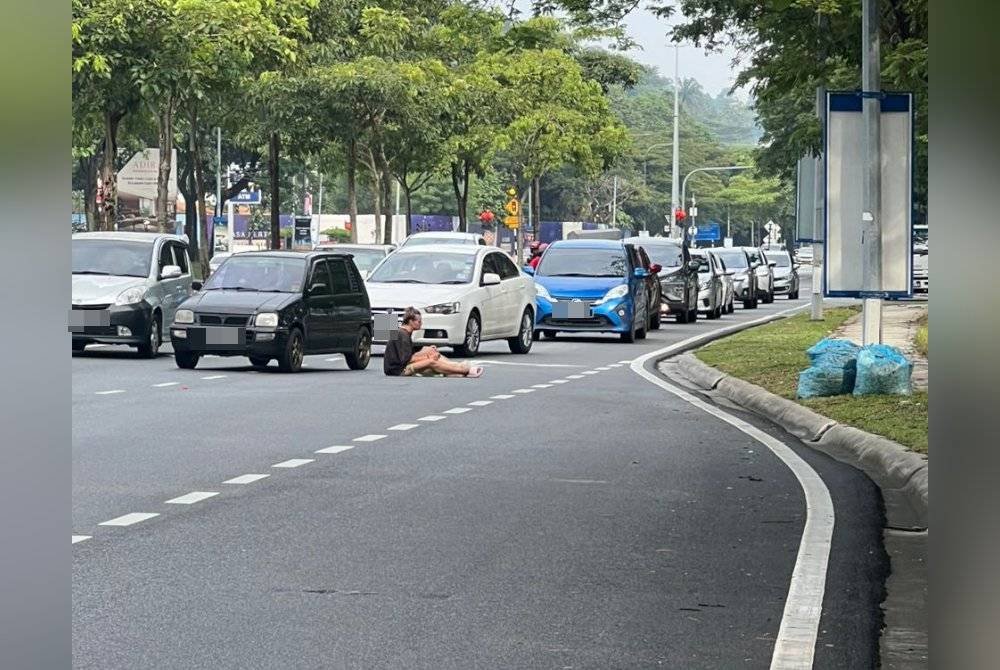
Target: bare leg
444 366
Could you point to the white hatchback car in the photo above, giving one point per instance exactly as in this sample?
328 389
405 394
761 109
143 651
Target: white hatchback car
466 293
443 237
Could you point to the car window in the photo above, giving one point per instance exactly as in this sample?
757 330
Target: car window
644 258
490 265
166 256
180 255
667 255
780 259
633 256
507 268
321 275
703 263
366 259
355 276
734 259
341 280
582 262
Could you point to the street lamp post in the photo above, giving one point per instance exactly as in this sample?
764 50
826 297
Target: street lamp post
677 165
728 168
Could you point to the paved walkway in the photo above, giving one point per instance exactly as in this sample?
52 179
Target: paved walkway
899 328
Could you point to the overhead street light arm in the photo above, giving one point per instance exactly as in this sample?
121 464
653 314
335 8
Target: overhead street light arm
728 168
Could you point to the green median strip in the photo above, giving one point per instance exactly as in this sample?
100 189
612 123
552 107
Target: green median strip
771 356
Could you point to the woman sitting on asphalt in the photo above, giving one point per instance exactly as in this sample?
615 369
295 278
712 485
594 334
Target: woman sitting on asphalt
401 360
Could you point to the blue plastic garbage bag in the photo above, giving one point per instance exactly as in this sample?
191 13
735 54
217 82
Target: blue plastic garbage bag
883 370
832 371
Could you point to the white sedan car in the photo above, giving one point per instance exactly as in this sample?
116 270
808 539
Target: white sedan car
442 237
466 293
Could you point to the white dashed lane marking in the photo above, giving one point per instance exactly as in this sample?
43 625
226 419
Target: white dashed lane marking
192 498
110 392
293 463
559 381
210 377
129 519
624 362
481 403
432 417
590 372
334 450
603 368
81 538
541 386
523 391
165 384
615 365
245 479
502 396
368 438
574 377
404 426
458 410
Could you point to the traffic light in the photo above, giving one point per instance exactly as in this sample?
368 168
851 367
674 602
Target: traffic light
679 215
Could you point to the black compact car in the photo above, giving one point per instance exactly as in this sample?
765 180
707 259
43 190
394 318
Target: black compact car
678 276
279 305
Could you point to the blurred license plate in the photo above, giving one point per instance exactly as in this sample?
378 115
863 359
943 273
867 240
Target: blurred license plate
87 320
209 336
385 325
571 310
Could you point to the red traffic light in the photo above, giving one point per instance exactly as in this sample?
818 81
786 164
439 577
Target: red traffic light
679 215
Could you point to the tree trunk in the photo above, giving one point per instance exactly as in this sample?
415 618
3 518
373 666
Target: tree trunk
89 168
352 188
165 127
109 177
536 205
409 207
388 214
185 184
273 162
461 194
205 248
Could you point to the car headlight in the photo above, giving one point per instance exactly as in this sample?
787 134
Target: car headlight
184 316
619 291
444 308
543 292
266 320
131 296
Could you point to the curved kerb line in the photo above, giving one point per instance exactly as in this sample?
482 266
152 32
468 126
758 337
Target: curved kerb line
796 642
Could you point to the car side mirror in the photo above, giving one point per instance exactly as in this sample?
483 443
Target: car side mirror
772 263
196 285
640 273
170 272
491 279
317 287
655 268
528 270
693 266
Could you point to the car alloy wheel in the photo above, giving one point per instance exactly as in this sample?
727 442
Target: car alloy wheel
152 345
470 345
525 336
362 354
291 358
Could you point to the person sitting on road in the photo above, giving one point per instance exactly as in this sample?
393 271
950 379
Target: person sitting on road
400 360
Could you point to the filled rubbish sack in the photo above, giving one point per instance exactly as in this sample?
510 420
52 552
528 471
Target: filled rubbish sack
833 369
883 370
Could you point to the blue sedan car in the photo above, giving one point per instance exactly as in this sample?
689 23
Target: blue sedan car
591 286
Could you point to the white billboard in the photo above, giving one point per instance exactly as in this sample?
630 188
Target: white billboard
138 178
843 195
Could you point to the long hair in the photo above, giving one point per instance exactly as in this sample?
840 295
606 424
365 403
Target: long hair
410 314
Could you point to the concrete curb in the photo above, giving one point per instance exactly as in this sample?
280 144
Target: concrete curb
896 470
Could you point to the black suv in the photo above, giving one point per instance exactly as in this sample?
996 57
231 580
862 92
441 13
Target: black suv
678 276
277 304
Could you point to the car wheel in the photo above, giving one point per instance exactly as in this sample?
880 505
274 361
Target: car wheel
732 305
656 321
640 333
79 345
525 335
186 360
290 359
682 317
693 315
769 298
259 361
152 344
550 334
473 333
362 354
629 337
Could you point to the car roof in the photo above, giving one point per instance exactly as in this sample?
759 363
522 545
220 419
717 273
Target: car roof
287 253
351 245
653 240
446 248
588 244
443 233
128 236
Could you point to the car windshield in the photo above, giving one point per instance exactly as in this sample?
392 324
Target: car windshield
259 273
667 255
569 262
112 257
434 239
366 259
425 268
704 267
754 256
733 259
780 259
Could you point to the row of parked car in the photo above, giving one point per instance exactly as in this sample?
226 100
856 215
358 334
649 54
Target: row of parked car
137 289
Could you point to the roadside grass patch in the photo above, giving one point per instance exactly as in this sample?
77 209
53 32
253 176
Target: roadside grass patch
921 339
771 356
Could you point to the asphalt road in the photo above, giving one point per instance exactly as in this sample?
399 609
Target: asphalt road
593 523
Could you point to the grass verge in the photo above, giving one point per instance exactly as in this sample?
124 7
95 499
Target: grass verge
771 356
921 340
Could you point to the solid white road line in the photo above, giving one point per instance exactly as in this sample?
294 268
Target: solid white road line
559 381
457 410
368 438
245 479
541 386
530 365
625 362
481 403
795 644
574 377
432 417
110 392
129 519
523 391
404 426
165 384
293 463
192 498
502 396
334 450
603 369
214 377
615 365
81 538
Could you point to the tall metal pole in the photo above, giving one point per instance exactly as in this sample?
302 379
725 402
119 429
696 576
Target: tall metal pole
871 197
816 302
210 243
675 175
614 204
